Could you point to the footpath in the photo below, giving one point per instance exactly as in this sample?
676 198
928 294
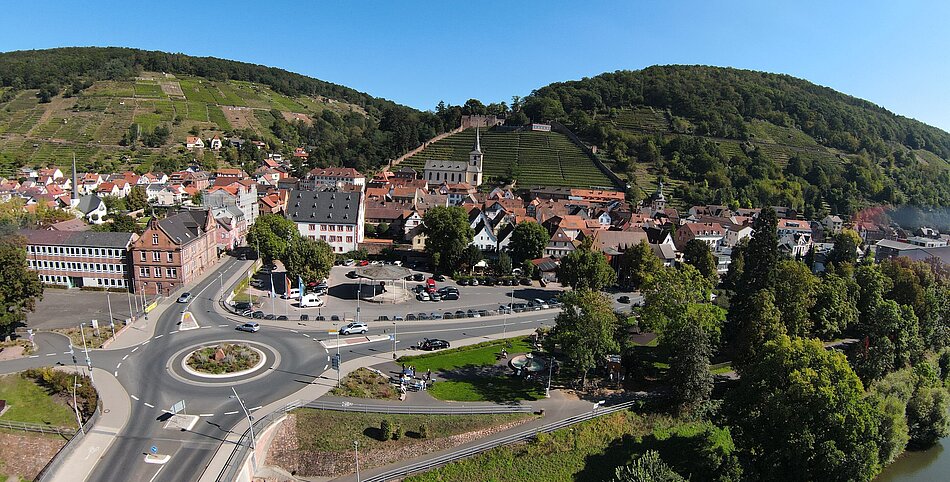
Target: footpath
115 405
318 388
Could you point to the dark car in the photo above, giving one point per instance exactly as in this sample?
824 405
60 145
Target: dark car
439 277
335 318
408 277
382 318
525 282
435 316
242 306
429 344
490 282
304 317
421 316
448 315
352 275
419 277
544 284
462 281
483 312
270 316
410 317
282 318
257 315
460 314
624 299
451 296
321 318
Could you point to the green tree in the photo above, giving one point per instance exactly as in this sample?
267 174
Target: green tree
676 296
697 254
585 329
801 414
761 256
121 223
21 287
528 241
272 233
762 323
585 268
845 249
471 257
197 198
733 277
928 416
638 265
892 341
448 234
502 266
689 374
137 198
310 260
893 433
835 307
649 467
794 285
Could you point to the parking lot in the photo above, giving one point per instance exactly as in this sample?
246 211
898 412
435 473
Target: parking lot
342 292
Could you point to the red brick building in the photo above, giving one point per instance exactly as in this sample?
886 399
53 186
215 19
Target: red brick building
174 251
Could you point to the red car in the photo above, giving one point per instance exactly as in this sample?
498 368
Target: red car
363 263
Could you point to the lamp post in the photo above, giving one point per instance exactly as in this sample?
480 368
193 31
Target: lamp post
250 421
76 406
356 447
511 306
394 339
547 391
85 348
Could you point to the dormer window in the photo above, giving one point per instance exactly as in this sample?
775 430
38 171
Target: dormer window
154 239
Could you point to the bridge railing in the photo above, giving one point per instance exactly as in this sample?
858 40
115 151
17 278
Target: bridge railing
49 472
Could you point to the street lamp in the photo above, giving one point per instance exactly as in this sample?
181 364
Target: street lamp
511 306
76 406
547 391
250 422
394 339
356 447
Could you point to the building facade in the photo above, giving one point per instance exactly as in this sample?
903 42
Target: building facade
457 172
332 177
331 216
174 251
77 259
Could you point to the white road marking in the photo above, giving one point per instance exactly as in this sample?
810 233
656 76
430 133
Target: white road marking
159 336
135 349
223 326
255 408
231 413
134 397
306 335
295 331
126 356
206 415
146 342
172 332
156 473
326 366
50 354
34 356
65 353
118 366
149 405
115 373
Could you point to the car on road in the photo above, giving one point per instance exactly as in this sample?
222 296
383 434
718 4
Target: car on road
624 299
418 277
184 298
257 315
423 296
354 327
430 344
251 327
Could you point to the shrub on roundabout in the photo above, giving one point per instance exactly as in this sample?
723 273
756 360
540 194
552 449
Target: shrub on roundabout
223 358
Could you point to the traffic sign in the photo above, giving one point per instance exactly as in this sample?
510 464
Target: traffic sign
335 361
153 449
331 333
178 407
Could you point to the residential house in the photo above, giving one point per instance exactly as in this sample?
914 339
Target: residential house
215 142
484 238
712 234
331 177
174 251
794 237
832 223
229 191
334 217
192 142
91 207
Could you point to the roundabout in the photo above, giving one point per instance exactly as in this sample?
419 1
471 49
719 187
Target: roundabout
224 360
267 359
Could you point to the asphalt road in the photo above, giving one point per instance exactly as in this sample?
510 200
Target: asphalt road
152 375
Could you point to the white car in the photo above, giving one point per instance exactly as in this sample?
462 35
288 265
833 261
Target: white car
252 327
543 304
354 327
184 298
311 300
423 296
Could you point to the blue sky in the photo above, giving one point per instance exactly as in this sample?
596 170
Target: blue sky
896 54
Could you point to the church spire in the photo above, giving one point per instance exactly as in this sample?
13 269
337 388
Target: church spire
478 142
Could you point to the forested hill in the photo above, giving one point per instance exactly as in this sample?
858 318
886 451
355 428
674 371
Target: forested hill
84 98
792 140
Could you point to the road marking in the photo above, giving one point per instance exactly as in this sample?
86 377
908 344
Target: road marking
306 335
295 331
34 356
50 354
326 366
66 353
135 349
115 373
231 413
328 357
172 332
255 408
223 326
206 415
146 342
126 356
149 405
118 366
134 397
156 473
158 336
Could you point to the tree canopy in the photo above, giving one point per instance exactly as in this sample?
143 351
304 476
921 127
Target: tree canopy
448 234
585 268
528 241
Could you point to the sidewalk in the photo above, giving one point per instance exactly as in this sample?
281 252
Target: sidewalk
115 413
318 388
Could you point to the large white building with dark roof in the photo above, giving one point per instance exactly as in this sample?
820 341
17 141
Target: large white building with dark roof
331 216
77 259
457 172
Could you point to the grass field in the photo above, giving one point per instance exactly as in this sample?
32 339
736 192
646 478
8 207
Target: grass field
590 451
29 402
533 158
482 354
362 383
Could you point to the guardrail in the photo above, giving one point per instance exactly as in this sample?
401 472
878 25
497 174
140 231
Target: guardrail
36 427
409 409
54 464
239 454
484 446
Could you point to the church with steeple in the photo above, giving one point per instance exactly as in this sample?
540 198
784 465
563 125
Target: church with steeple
458 172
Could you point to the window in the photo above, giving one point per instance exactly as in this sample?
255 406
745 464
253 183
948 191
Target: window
349 239
143 272
171 256
158 272
142 255
154 239
171 273
313 227
156 256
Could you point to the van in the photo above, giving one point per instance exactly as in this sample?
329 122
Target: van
292 294
311 300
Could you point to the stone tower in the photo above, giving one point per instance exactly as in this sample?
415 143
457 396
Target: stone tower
473 172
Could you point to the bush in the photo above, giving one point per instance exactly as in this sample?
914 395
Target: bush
61 383
387 430
424 431
397 432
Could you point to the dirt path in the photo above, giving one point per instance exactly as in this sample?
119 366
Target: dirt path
24 454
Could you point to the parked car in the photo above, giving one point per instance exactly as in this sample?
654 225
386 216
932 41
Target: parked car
459 314
451 296
624 299
398 318
247 313
483 312
335 318
270 316
473 282
282 318
525 282
544 284
410 317
354 327
433 344
291 293
242 306
543 304
382 318
184 298
311 300
490 282
435 296
251 327
439 277
257 315
418 288
304 317
352 275
472 314
349 262
462 281
363 263
435 316
419 277
448 315
504 309
448 289
423 296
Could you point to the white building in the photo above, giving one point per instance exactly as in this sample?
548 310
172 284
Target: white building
331 216
457 172
332 177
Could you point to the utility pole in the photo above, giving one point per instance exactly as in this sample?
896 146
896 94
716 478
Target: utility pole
76 406
250 421
111 319
547 391
356 447
86 349
394 339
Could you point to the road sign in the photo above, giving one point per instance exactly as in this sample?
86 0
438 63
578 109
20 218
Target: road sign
178 407
153 449
392 337
335 361
332 333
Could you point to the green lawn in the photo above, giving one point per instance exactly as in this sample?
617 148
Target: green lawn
313 433
494 389
28 402
363 383
482 354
